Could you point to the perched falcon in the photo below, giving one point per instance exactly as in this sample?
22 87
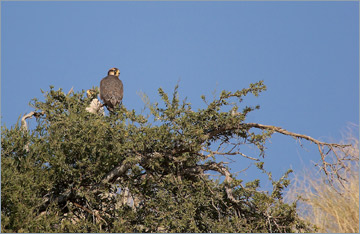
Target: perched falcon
111 89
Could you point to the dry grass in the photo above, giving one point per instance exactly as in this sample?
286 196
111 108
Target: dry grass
332 209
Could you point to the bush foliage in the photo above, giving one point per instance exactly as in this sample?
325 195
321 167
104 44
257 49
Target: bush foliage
128 172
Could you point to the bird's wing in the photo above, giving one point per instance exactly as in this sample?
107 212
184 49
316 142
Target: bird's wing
111 90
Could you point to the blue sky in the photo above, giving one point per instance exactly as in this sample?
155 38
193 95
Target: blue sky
307 53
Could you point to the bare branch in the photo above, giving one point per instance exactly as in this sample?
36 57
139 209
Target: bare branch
218 167
330 169
90 212
296 135
24 126
235 153
119 170
272 128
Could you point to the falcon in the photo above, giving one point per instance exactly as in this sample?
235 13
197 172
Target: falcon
111 89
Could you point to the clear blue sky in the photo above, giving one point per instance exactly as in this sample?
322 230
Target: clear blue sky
306 52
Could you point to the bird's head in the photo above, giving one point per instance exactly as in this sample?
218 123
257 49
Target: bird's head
114 72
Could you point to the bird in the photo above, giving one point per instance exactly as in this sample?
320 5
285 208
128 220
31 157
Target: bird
111 89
